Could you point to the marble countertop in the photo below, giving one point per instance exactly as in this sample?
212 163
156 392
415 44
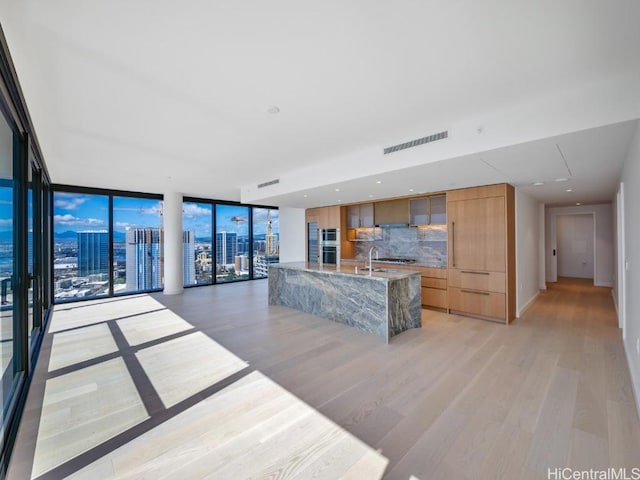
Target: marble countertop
350 270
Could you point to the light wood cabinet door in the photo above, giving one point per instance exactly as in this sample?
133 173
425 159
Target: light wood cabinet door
484 304
434 297
332 217
477 234
392 211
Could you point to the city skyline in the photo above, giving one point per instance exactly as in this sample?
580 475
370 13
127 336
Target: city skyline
78 212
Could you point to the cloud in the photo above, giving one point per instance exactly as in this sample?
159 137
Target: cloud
68 201
6 222
153 210
121 224
191 210
71 221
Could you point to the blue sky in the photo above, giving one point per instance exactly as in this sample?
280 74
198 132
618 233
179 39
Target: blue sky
78 212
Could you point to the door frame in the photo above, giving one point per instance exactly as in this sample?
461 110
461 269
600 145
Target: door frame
621 287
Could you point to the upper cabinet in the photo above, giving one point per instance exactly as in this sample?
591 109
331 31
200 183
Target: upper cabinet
428 210
326 217
391 212
360 216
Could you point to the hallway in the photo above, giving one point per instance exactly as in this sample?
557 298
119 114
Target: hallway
216 383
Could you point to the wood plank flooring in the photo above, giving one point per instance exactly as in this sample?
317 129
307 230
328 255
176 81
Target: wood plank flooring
217 384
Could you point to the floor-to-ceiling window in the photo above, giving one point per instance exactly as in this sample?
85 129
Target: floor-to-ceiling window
138 244
197 224
266 235
81 245
232 243
7 263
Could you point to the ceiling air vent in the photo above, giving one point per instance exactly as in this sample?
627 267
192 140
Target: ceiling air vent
420 141
270 182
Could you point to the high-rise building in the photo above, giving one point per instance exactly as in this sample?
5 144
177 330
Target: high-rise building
226 247
189 257
93 253
272 240
145 258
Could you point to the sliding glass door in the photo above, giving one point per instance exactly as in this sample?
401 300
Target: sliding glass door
7 266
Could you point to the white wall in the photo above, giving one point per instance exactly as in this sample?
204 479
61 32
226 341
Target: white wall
574 237
604 259
527 250
292 234
631 180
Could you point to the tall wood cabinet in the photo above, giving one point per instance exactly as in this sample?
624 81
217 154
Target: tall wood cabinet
481 230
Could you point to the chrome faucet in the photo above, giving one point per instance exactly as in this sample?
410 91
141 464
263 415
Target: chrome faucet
371 250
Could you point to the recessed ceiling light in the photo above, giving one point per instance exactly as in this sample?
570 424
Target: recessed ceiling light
273 109
569 190
561 179
538 184
337 189
305 195
578 203
339 201
411 189
379 181
370 196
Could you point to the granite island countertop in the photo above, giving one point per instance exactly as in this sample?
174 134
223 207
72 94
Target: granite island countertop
350 262
378 273
385 301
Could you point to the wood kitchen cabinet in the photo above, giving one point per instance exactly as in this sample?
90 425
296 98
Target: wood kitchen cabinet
430 210
360 215
327 217
481 231
391 212
433 282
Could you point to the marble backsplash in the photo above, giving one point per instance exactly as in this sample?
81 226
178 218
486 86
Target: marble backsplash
427 245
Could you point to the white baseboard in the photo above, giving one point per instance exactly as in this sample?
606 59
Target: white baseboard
526 306
635 378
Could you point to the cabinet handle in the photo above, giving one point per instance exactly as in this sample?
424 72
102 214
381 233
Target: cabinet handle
475 273
453 243
476 292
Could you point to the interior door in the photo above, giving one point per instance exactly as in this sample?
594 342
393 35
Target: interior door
575 240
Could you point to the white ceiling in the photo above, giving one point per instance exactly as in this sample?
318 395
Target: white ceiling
164 95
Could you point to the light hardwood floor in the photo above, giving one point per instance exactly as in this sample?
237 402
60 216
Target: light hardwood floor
217 384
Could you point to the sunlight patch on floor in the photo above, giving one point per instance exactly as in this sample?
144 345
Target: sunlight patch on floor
84 408
152 326
184 366
252 429
79 345
76 315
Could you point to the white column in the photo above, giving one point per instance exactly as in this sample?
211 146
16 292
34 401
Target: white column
173 256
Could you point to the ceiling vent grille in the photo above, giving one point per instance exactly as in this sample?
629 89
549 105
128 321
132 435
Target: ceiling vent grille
270 182
419 141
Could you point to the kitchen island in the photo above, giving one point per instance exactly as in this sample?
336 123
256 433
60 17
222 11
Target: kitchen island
385 301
